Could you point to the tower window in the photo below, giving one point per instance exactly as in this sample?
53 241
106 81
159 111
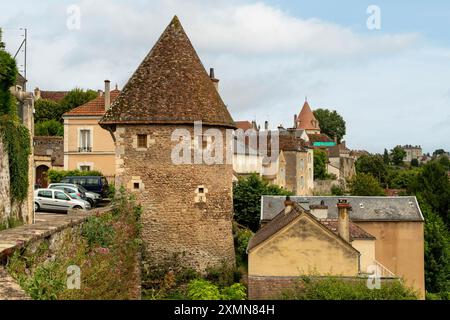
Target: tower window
142 141
136 185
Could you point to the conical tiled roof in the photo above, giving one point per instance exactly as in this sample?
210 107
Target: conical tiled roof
171 86
306 119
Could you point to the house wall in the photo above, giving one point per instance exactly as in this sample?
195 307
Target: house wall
177 224
303 247
399 246
101 158
5 201
367 250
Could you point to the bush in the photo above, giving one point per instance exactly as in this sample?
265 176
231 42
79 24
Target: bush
55 176
236 291
98 231
49 128
200 289
363 184
241 238
337 190
223 275
332 288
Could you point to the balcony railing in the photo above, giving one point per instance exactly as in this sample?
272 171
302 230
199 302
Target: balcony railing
84 149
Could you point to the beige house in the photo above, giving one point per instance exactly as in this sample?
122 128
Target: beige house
387 233
87 146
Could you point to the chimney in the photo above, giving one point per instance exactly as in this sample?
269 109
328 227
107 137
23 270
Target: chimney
99 93
343 220
295 121
266 125
213 79
37 93
107 95
288 205
254 127
320 211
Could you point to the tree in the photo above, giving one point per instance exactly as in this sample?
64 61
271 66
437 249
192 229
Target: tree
49 128
47 110
364 184
437 251
75 98
374 165
247 194
414 162
8 75
320 164
438 152
397 155
386 158
331 123
433 186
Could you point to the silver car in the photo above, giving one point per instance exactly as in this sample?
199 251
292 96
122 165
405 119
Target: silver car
92 197
57 200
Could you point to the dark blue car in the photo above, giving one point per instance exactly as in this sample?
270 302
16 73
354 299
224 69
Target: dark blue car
96 184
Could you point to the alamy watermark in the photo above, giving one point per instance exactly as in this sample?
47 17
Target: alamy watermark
73 21
374 20
73 277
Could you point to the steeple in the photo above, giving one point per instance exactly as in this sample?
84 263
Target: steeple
306 119
171 86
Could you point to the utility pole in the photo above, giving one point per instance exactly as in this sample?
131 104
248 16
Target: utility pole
23 44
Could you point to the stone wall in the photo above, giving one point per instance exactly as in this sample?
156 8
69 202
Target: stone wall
5 202
187 208
260 288
50 146
323 187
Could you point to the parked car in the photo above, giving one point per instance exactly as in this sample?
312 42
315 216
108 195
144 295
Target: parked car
57 200
97 184
92 197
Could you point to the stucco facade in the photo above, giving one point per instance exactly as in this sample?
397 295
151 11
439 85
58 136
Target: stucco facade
400 247
303 247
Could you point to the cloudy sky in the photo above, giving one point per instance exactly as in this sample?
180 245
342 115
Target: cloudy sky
391 85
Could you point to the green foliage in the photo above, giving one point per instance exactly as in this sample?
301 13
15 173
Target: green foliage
402 179
17 139
374 165
2 44
320 164
414 163
241 236
55 176
200 289
444 161
332 288
331 123
10 222
49 128
98 231
223 275
386 158
433 187
437 251
438 152
47 110
106 273
75 98
397 155
363 184
8 75
247 194
437 296
337 191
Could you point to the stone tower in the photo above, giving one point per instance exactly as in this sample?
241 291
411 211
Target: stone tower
307 121
187 207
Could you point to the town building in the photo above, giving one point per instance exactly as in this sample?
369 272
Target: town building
48 154
412 152
87 146
187 206
348 237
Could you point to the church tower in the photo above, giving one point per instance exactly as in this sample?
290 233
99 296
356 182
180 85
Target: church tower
188 207
307 121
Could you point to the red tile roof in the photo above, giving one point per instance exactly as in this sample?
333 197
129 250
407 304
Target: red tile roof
306 119
244 125
356 232
171 86
94 107
56 96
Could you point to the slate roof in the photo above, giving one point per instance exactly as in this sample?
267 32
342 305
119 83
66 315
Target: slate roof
363 208
171 86
95 107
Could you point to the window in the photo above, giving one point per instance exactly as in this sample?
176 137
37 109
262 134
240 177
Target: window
85 141
61 196
85 168
45 194
302 164
136 185
92 181
142 141
302 182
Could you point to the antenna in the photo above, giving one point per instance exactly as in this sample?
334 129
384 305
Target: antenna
23 44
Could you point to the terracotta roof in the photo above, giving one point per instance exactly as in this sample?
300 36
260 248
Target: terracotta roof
356 232
306 119
282 220
319 138
56 96
170 86
244 125
289 142
94 107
